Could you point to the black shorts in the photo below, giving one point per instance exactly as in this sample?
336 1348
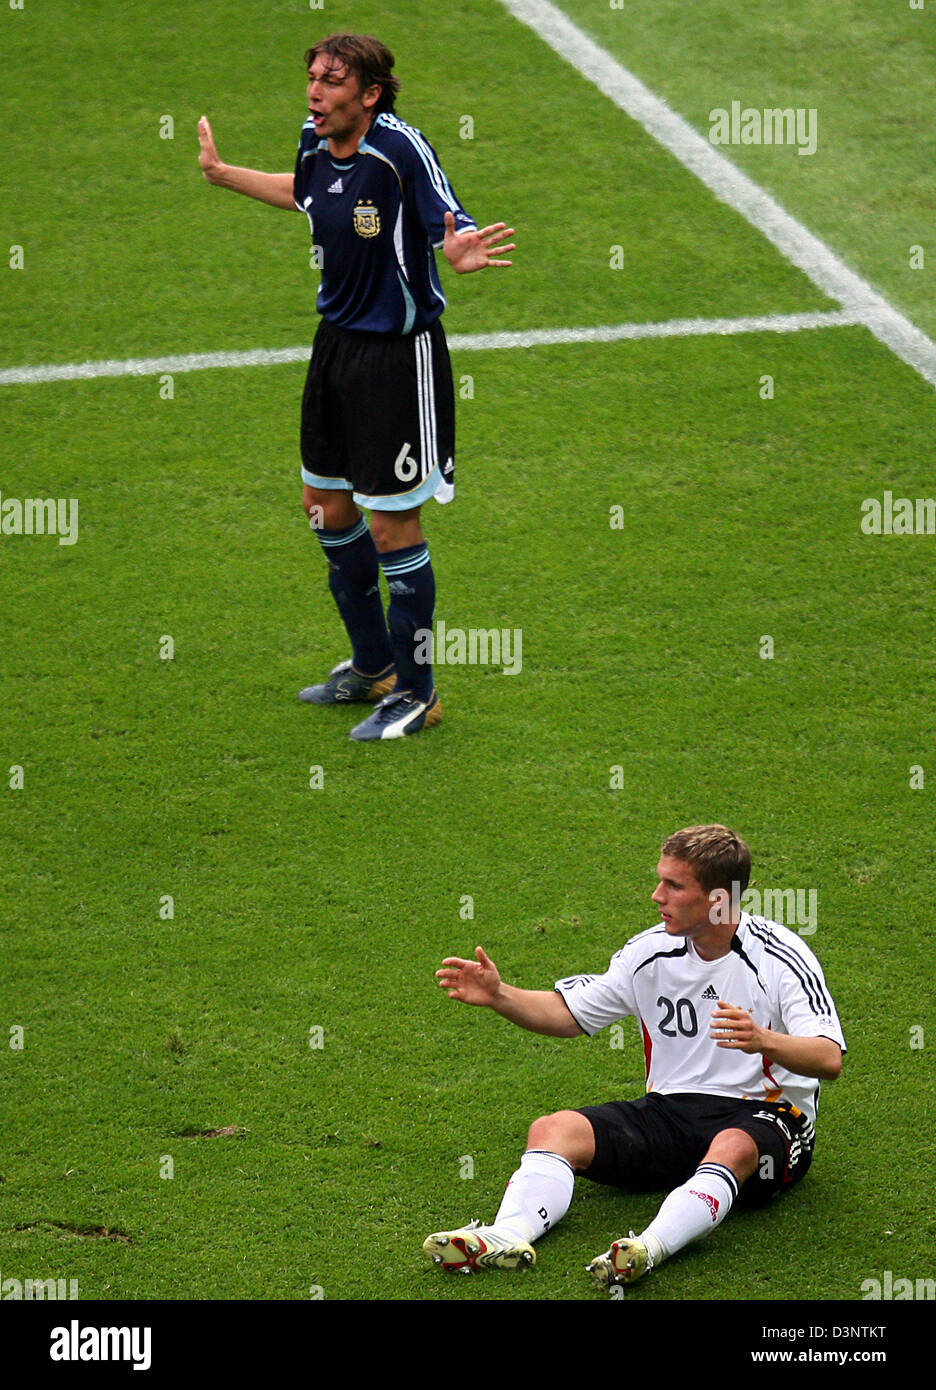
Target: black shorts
378 416
657 1142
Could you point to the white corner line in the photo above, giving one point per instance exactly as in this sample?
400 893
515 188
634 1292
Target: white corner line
458 342
729 184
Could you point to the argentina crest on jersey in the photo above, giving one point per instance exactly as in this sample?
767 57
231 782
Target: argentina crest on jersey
366 219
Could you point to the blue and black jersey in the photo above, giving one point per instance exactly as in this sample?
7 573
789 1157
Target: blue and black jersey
377 217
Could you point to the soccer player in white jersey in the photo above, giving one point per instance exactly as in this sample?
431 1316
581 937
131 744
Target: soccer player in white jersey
738 1030
378 411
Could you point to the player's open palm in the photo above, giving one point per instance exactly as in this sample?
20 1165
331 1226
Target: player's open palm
476 250
471 981
208 156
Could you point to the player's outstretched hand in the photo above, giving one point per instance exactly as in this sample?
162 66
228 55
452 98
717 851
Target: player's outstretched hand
466 251
471 981
208 152
734 1027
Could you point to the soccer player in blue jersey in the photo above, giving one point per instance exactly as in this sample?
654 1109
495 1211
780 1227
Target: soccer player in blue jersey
738 1029
378 411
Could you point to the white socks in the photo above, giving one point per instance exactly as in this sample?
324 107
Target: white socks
539 1193
537 1196
691 1211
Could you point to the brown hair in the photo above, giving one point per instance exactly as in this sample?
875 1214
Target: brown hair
369 59
716 855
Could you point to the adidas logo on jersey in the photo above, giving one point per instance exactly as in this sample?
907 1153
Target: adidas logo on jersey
711 993
337 186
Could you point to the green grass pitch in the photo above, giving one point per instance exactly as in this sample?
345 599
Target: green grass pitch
641 511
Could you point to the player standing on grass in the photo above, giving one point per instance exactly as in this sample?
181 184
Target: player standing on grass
378 412
738 1027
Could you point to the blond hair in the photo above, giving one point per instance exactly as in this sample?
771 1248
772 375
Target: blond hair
717 856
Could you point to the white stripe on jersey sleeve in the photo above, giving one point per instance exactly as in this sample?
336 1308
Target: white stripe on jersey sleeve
594 1001
806 1006
433 169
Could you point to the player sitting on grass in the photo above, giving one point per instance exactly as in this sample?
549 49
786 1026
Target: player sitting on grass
738 1028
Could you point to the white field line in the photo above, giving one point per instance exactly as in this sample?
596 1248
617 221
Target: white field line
459 342
729 184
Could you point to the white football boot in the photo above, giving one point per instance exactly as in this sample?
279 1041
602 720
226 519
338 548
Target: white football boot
475 1247
626 1261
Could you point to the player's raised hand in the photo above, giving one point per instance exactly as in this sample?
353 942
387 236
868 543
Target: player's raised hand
734 1027
467 251
208 156
471 981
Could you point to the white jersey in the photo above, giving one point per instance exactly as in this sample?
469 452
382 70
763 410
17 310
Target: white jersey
672 991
